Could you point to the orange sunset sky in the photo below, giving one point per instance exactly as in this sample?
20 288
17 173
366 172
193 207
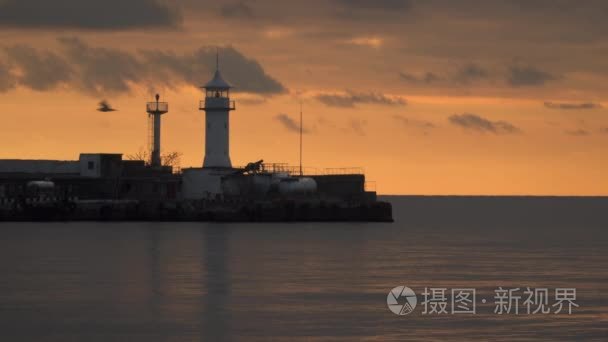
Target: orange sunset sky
429 97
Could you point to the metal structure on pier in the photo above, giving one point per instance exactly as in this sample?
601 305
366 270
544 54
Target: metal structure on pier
155 110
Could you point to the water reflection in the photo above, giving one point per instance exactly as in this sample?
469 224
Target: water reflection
188 283
193 281
216 313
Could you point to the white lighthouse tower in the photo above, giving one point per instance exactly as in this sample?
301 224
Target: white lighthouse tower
217 106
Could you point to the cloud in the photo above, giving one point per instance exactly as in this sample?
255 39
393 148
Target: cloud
245 74
578 132
7 80
382 5
414 122
464 75
477 123
38 70
367 9
573 106
520 76
103 70
427 78
373 42
470 72
90 14
290 124
238 10
350 99
546 5
604 130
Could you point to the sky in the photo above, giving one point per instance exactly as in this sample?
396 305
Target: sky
434 97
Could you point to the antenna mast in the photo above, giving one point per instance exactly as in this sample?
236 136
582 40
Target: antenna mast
301 130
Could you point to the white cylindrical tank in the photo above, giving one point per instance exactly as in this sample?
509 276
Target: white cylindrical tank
261 184
299 185
42 184
247 185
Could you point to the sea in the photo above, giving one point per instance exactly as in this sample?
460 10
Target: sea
476 268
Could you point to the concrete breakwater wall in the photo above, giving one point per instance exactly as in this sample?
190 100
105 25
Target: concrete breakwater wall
199 210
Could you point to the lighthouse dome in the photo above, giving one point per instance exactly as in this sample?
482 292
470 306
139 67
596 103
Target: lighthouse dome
217 82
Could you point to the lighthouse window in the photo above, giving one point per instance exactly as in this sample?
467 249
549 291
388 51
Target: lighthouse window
91 165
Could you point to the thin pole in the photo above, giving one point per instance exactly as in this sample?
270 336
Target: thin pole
301 130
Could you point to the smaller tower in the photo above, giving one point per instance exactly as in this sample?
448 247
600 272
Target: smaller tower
155 110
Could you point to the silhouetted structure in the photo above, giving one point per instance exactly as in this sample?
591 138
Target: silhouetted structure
155 110
104 186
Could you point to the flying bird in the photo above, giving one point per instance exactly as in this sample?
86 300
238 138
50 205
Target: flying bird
104 106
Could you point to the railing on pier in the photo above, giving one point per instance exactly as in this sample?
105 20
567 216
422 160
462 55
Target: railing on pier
307 171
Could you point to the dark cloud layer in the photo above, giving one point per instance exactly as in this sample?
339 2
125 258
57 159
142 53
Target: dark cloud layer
384 5
7 80
100 70
244 73
427 77
351 99
371 9
477 123
89 14
290 124
521 76
462 76
471 72
237 10
572 106
40 70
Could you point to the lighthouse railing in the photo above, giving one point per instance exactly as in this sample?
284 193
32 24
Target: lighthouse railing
152 107
217 104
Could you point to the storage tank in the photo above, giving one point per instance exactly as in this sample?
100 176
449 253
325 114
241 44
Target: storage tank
277 177
297 186
41 184
261 184
247 185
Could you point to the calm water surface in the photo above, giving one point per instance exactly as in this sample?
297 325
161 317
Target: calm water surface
327 281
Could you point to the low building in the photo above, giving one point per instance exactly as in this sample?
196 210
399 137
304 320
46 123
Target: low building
92 176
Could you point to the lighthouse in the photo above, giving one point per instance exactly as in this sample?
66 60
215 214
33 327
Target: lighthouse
217 106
